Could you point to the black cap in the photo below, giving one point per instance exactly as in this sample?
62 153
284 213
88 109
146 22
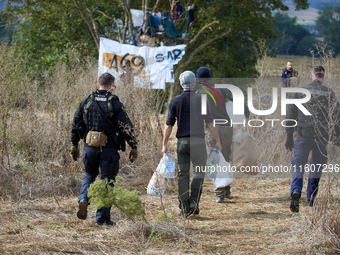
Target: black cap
203 72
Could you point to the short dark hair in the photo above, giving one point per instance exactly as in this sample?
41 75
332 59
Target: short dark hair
106 79
318 71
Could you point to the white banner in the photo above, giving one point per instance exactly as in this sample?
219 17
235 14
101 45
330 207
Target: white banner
154 64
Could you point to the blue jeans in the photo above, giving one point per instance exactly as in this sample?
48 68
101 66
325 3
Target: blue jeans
302 147
108 160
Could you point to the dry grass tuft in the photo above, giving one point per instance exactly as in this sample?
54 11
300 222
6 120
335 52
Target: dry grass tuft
321 225
36 123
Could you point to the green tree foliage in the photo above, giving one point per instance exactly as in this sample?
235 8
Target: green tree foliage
222 37
102 194
329 23
227 47
294 39
306 45
50 28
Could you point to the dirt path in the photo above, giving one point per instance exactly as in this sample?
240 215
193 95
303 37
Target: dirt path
255 220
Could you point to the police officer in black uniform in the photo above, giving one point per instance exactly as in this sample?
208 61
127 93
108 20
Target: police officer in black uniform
101 112
289 75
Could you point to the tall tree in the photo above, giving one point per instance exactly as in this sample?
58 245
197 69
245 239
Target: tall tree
329 23
291 35
222 37
49 28
225 33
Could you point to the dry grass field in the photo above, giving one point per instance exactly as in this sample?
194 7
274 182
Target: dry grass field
255 220
39 182
272 67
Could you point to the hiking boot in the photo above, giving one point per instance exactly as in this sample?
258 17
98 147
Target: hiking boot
108 223
227 192
111 223
82 211
196 211
294 204
219 199
194 208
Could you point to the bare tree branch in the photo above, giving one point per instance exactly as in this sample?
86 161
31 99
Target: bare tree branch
94 23
118 26
201 31
191 59
88 23
128 18
197 50
62 33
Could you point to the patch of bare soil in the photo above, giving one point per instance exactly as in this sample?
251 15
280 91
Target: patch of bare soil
255 220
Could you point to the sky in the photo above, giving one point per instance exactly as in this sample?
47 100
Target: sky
308 17
3 5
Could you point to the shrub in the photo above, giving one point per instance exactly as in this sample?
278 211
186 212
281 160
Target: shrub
111 193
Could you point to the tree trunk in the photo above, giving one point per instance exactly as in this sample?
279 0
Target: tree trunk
175 87
120 38
146 17
130 20
92 28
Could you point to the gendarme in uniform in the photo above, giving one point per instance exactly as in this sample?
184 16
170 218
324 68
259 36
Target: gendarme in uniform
312 136
101 112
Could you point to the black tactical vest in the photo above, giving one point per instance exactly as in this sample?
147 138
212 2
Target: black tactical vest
93 117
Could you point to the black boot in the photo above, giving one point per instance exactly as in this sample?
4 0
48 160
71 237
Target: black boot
82 211
294 204
227 192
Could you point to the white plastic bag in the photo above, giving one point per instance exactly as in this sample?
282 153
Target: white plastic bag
224 176
166 166
156 185
161 168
